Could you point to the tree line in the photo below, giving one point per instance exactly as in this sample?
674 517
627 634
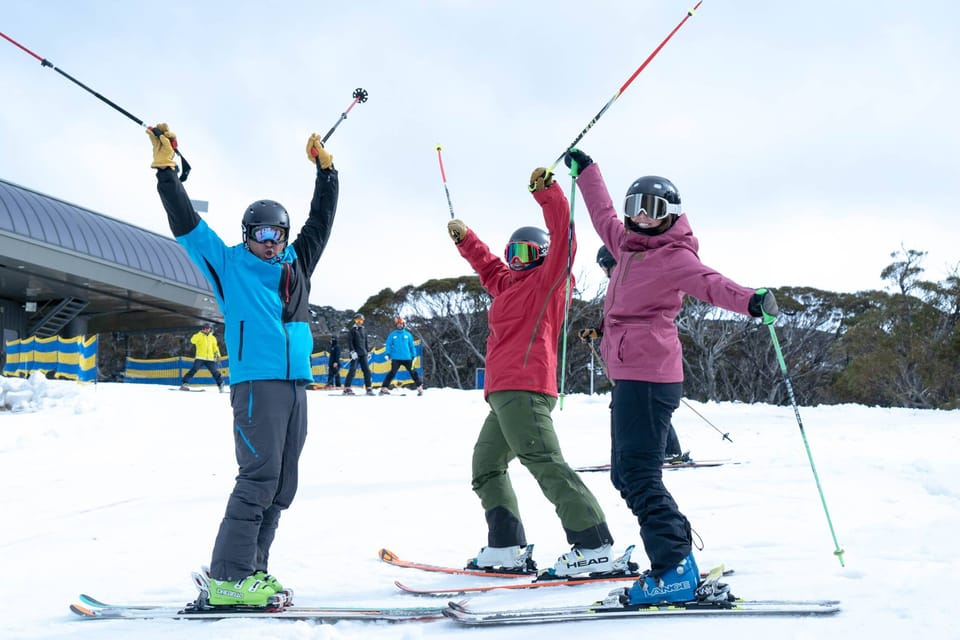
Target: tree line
893 348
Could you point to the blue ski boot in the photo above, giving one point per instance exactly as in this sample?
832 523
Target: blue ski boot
678 584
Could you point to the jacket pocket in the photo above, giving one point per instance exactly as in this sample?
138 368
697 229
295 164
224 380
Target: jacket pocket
240 345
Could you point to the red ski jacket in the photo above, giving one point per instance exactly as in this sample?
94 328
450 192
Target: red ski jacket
526 315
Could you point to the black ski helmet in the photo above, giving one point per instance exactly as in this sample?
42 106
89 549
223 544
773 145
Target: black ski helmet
530 235
265 212
655 186
605 259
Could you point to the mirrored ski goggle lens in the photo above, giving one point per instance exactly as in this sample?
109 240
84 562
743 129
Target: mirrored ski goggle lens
654 207
522 253
268 233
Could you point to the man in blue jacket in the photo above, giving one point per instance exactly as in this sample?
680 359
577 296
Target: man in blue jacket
401 351
262 286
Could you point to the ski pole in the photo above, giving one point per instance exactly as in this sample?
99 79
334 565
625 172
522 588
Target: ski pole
769 320
624 86
359 95
443 176
574 171
725 436
46 63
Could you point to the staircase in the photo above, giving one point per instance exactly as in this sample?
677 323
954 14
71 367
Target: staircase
54 316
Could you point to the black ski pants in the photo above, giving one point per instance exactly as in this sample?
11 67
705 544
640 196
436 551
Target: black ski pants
333 374
395 367
640 414
352 371
211 367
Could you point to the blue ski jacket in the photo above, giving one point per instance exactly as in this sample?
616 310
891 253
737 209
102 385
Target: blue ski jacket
265 304
400 345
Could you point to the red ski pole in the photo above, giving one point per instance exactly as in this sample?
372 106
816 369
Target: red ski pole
443 175
625 85
46 63
359 95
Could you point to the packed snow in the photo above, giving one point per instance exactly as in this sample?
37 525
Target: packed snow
117 490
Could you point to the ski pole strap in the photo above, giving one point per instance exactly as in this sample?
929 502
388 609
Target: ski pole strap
185 167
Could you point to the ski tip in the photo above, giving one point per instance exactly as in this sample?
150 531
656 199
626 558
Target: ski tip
458 605
91 601
80 610
388 556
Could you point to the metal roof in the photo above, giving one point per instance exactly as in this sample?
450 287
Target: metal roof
51 221
129 278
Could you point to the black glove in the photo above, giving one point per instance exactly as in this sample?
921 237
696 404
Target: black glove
763 304
575 155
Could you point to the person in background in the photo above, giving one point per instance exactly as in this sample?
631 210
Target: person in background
657 263
262 286
520 386
673 454
207 355
401 350
333 367
359 350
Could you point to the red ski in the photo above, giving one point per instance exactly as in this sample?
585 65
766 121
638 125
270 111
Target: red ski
391 558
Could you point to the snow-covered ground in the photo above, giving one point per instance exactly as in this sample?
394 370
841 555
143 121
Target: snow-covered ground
117 491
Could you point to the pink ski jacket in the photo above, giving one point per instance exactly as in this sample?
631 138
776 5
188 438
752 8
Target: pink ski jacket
646 289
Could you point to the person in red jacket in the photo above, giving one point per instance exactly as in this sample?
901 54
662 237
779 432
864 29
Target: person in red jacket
520 385
656 264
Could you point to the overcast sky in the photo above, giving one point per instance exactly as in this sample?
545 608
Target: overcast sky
808 140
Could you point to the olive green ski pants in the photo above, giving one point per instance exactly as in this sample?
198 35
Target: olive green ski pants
519 426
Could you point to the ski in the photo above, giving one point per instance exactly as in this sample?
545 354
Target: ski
90 601
542 580
601 611
693 464
535 584
93 609
391 558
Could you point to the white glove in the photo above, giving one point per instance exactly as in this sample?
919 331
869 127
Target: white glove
353 355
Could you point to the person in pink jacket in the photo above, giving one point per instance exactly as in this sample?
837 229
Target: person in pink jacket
657 264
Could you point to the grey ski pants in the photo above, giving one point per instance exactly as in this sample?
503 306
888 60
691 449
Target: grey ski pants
269 430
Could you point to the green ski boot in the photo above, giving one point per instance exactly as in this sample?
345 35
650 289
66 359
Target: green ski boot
274 584
252 591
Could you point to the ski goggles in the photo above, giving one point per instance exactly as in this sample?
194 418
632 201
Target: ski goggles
268 233
522 253
654 207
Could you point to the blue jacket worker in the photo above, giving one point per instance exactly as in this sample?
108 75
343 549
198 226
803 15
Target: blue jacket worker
401 351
